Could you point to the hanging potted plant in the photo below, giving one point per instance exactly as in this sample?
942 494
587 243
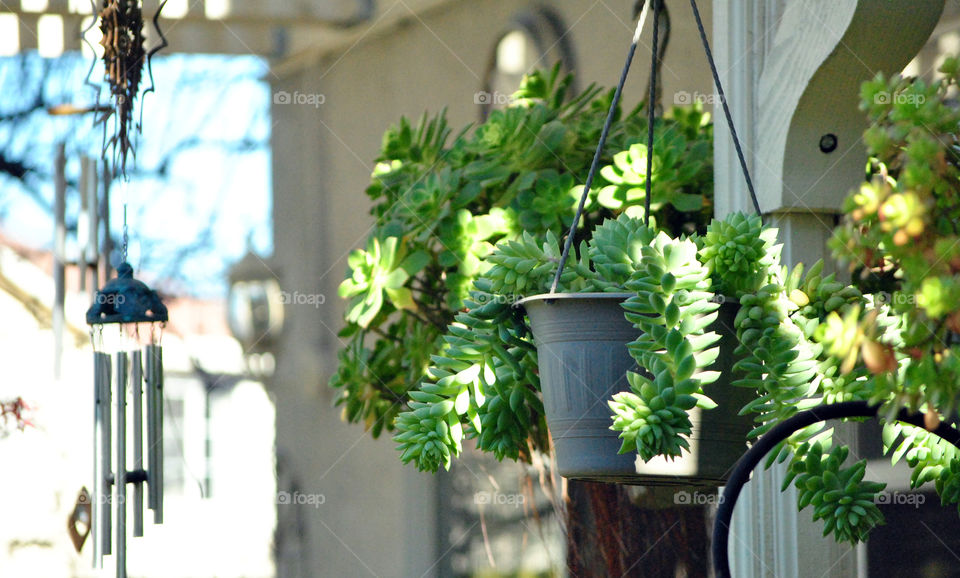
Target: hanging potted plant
487 381
441 202
657 342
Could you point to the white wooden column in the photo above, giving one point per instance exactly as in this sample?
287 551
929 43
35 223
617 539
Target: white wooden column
791 72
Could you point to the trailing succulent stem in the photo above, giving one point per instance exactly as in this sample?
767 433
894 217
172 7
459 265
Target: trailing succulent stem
839 497
677 282
672 306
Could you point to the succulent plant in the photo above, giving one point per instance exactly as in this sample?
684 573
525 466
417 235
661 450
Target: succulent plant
451 197
437 350
839 496
677 164
379 272
742 250
672 306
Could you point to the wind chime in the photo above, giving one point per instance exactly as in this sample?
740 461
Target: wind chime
126 322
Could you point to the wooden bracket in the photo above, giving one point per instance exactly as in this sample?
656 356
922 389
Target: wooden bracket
810 151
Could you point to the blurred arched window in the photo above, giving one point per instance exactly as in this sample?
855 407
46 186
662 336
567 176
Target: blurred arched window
536 38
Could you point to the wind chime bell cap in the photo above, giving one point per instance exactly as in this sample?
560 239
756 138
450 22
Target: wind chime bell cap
126 300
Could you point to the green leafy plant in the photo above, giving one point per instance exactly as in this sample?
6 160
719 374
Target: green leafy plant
442 200
474 221
486 382
672 307
808 339
900 237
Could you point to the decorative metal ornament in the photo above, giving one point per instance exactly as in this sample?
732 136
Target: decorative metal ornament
124 57
78 523
126 321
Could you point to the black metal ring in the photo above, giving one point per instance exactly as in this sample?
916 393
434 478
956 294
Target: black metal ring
741 473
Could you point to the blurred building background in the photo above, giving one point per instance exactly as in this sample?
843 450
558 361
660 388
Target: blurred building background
284 487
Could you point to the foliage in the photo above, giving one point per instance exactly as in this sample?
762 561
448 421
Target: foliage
742 249
443 200
485 381
672 306
900 236
808 340
805 338
14 414
840 497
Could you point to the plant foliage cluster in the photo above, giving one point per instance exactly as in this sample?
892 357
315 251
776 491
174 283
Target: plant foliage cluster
443 200
466 227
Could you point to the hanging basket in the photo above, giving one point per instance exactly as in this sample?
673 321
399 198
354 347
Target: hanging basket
583 358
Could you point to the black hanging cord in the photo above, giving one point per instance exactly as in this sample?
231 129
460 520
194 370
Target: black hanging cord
726 109
651 118
596 157
741 473
651 112
665 30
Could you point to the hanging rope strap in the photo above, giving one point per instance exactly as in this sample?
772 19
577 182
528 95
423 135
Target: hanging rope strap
726 109
651 111
596 157
651 118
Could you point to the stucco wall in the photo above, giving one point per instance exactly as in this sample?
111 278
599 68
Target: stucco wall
378 517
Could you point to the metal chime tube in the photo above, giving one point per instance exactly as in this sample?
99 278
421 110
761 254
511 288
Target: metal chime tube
96 495
136 383
106 460
121 474
151 433
157 354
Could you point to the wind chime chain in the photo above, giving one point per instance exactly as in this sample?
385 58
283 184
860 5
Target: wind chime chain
126 236
611 113
726 108
651 112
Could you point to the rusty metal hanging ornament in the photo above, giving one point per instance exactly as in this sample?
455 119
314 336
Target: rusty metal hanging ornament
124 58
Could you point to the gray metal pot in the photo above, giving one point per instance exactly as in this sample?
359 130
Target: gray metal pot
583 359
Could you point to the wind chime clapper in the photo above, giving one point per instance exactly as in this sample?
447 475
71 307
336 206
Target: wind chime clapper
126 324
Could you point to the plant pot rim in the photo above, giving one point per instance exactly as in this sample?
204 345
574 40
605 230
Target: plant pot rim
620 296
589 295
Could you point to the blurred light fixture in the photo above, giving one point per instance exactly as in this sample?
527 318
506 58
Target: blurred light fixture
217 9
512 53
175 9
33 5
255 310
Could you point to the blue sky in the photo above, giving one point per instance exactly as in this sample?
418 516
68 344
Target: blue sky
200 186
